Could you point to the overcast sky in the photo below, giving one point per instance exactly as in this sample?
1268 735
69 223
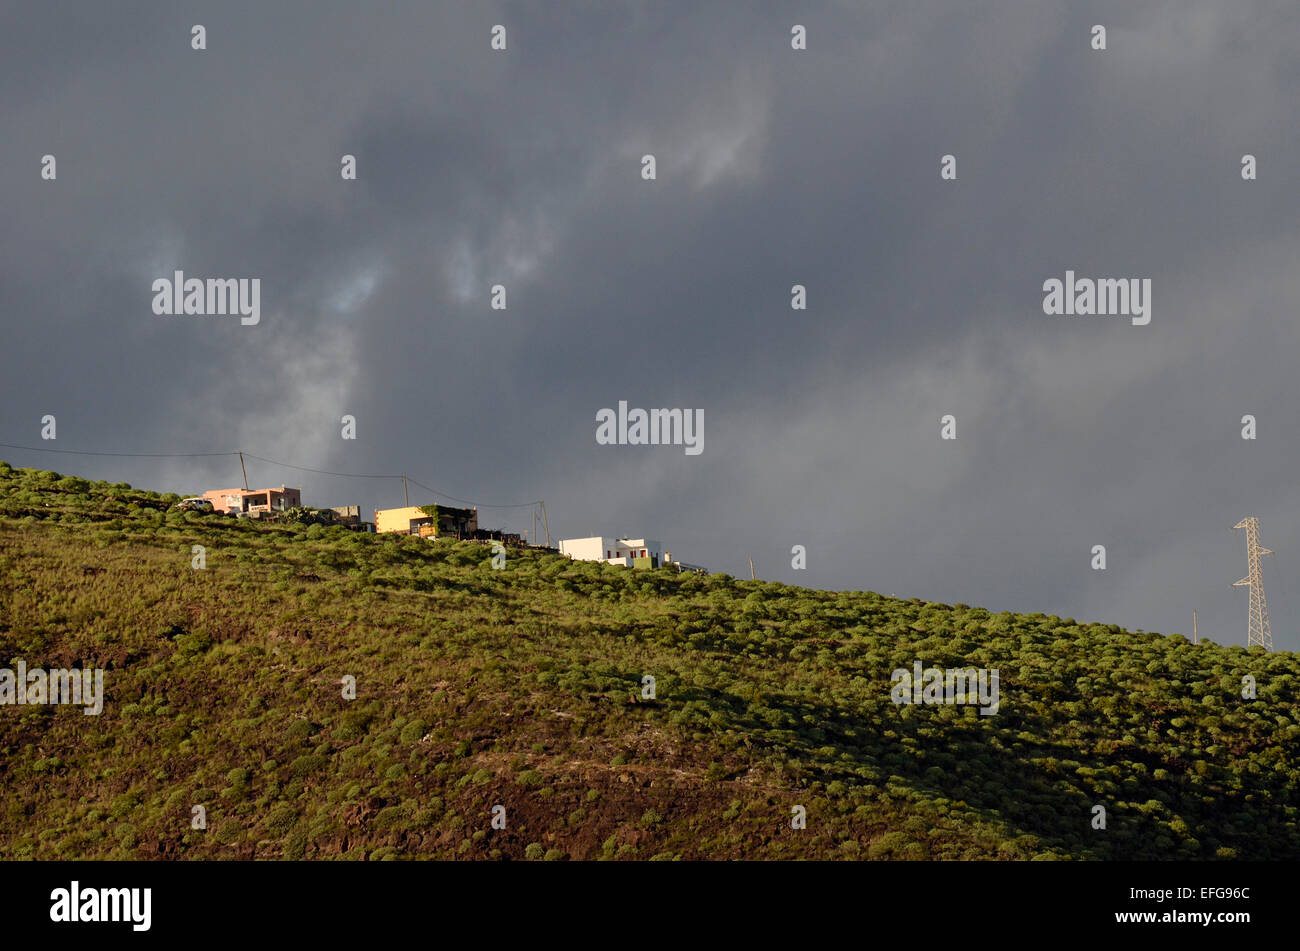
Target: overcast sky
818 167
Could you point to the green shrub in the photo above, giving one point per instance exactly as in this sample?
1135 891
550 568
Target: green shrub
306 765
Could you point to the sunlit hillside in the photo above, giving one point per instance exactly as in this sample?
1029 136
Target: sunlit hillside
524 687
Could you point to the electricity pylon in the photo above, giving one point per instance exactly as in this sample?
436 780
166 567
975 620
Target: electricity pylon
1258 631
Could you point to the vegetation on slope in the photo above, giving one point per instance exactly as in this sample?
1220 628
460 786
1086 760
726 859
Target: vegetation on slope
522 687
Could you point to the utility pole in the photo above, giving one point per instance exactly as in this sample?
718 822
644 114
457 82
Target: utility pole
546 525
406 496
751 570
243 470
1257 629
1195 636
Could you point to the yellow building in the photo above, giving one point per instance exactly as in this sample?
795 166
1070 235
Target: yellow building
409 520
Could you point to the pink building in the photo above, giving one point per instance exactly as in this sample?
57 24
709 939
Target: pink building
254 501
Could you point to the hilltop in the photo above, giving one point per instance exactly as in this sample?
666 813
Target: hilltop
522 687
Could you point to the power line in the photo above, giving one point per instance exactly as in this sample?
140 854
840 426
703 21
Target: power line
273 462
133 455
342 475
360 475
482 505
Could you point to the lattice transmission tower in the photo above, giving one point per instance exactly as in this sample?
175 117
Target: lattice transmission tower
1258 631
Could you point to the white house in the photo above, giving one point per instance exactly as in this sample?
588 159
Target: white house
615 551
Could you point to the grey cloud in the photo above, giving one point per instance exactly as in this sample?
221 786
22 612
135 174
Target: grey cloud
775 168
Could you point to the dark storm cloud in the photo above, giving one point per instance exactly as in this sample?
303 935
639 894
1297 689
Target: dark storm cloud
774 168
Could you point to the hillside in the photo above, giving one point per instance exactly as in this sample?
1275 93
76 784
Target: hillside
522 687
